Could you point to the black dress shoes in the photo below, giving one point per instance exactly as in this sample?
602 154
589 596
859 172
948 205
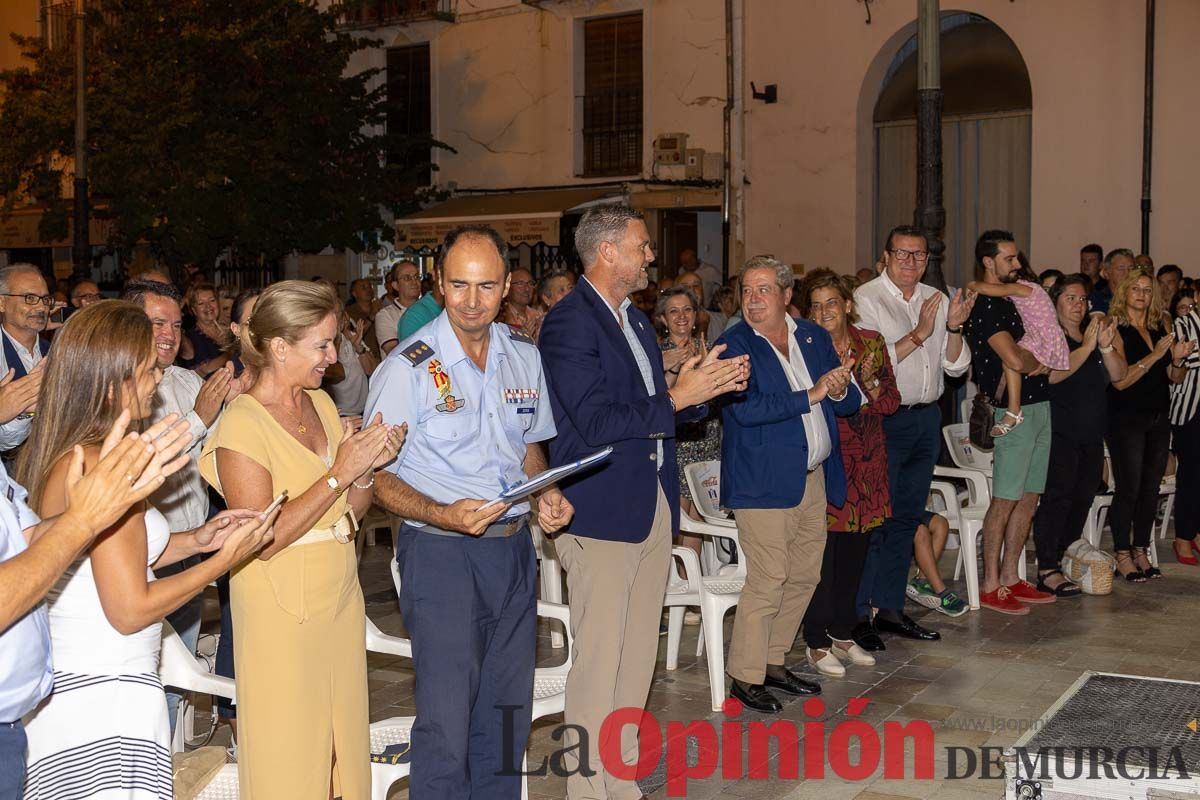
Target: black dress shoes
907 628
756 697
866 637
792 684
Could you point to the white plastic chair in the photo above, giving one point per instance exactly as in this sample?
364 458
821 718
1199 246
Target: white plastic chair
967 521
384 734
549 574
180 669
704 483
177 667
223 786
714 594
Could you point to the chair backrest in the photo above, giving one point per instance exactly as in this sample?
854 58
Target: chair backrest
704 482
177 667
964 454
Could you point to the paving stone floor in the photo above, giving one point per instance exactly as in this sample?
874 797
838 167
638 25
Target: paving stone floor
989 678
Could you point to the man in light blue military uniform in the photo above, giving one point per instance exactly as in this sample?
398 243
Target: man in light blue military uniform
475 399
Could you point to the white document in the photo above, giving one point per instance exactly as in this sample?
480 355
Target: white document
544 479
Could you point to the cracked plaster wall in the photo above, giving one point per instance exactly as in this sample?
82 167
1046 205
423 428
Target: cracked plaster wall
507 86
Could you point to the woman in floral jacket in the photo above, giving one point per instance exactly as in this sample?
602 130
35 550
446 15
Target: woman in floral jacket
828 300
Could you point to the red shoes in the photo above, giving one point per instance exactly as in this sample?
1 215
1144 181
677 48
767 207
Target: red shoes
1187 557
1002 600
1011 599
1027 593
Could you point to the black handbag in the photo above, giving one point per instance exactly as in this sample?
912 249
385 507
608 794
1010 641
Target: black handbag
983 417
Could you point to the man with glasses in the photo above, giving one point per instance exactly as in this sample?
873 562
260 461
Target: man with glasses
403 290
1115 267
25 302
519 313
923 332
85 294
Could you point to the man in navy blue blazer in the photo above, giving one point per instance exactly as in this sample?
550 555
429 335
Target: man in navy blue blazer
605 374
780 464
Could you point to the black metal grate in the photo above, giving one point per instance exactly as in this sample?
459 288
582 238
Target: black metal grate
612 133
1118 712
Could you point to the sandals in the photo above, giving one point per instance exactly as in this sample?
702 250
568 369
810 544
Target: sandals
1065 589
1002 427
1139 555
1134 575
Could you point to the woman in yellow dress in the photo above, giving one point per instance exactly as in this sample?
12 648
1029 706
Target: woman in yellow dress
298 615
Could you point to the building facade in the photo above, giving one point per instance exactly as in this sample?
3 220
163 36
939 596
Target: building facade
535 94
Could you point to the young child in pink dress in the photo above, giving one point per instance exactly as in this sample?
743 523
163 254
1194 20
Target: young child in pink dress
1043 337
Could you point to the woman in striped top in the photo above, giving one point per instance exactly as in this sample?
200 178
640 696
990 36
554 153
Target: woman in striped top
1185 427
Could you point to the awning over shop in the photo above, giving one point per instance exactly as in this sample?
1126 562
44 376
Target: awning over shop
520 217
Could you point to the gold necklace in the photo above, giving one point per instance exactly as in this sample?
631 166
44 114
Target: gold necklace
300 429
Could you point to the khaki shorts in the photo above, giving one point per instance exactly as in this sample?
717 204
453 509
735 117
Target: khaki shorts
1022 456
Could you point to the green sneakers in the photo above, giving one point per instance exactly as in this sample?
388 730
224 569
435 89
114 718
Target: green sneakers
921 593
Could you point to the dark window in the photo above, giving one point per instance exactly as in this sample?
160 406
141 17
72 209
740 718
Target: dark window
409 121
612 95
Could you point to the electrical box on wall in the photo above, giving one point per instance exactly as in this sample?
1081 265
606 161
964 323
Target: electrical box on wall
713 167
670 148
694 164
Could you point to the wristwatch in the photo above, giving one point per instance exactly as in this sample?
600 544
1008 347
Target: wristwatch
333 483
953 330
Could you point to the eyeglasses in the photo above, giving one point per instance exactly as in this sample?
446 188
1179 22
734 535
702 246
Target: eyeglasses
920 256
521 283
34 299
88 296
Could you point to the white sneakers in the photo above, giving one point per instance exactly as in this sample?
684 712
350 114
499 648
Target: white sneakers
825 662
850 651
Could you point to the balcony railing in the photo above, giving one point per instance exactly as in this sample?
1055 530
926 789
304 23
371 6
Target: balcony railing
373 13
612 133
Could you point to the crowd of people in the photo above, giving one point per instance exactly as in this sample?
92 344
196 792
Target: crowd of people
268 422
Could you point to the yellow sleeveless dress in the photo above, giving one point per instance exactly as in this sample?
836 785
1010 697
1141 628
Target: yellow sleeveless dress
298 629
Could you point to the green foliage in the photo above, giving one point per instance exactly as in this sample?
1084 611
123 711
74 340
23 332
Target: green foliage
214 125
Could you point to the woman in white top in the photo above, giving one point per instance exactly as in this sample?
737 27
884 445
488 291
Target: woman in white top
103 731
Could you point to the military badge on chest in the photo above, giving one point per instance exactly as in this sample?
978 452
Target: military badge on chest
441 381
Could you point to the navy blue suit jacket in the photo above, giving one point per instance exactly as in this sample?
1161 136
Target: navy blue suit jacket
764 449
600 399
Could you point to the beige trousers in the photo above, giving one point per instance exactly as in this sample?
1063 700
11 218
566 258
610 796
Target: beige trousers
616 596
783 548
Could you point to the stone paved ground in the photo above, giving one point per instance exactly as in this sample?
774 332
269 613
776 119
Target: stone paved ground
989 676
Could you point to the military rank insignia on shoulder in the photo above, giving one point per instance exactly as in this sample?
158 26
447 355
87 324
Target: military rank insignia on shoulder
417 352
518 336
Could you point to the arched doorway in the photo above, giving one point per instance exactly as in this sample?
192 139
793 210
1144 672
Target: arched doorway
986 140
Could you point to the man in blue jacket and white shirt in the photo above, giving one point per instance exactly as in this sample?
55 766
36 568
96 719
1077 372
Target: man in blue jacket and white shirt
607 387
780 464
